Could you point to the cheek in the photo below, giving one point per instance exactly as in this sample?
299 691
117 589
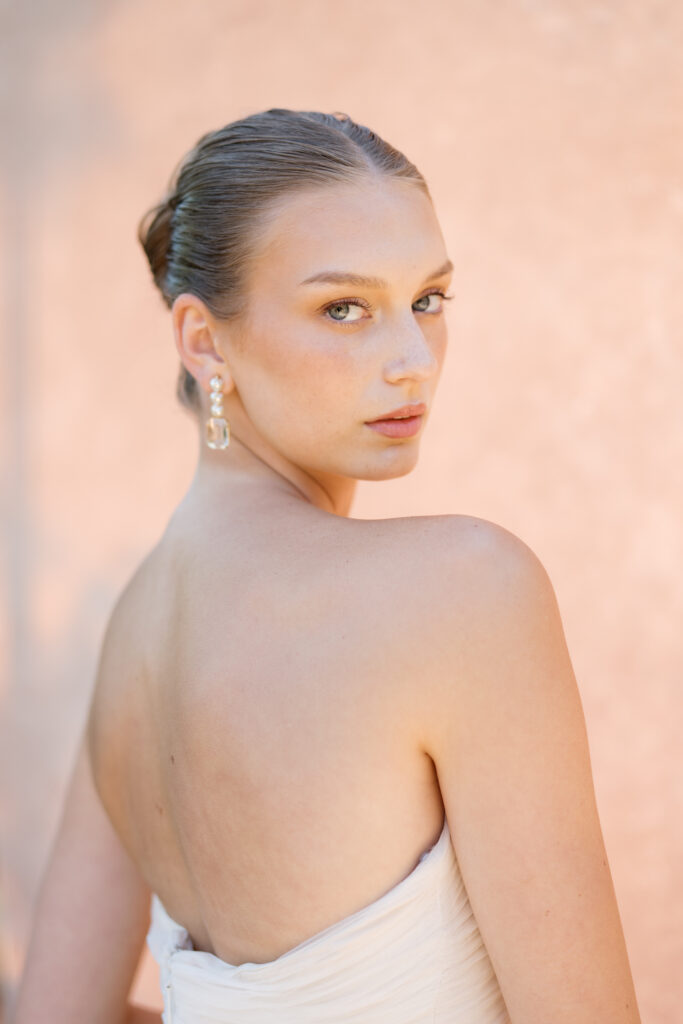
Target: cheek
288 372
440 347
438 343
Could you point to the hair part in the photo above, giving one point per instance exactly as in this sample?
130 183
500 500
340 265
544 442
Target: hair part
201 238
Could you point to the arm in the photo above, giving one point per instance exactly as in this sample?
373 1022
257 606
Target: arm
508 738
90 920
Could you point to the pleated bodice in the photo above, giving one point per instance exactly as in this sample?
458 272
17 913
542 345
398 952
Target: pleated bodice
412 956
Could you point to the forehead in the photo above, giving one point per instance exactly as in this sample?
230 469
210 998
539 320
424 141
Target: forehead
385 227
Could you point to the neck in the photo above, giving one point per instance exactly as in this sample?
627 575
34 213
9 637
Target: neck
256 460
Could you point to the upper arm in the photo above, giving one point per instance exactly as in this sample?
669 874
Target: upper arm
90 918
508 738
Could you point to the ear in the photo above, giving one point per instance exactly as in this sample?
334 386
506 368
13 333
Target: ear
196 341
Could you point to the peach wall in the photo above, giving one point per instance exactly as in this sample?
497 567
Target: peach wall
550 133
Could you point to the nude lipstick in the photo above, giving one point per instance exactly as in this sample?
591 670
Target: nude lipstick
403 422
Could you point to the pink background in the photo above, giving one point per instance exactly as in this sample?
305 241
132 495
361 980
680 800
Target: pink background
550 134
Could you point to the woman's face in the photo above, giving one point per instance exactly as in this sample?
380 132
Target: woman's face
313 360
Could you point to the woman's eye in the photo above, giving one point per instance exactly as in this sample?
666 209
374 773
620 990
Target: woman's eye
343 306
426 298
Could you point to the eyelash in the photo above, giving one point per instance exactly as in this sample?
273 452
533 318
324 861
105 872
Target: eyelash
366 305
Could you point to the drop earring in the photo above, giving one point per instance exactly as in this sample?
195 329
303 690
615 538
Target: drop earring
217 428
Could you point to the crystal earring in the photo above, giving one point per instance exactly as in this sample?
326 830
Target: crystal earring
217 428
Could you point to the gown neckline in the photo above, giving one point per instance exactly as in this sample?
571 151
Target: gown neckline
400 890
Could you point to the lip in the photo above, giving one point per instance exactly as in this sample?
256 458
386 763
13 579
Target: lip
406 426
404 411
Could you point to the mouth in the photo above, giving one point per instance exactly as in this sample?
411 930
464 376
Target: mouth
396 426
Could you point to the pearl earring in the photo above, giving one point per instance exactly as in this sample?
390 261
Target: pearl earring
217 428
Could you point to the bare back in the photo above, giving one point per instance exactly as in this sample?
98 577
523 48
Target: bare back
253 732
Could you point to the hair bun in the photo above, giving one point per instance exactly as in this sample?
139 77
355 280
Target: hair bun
155 234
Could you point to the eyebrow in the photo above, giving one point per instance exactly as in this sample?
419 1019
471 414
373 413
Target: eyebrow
361 281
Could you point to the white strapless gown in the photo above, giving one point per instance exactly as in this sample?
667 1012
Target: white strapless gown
413 956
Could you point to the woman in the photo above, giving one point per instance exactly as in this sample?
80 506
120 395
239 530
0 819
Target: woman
343 762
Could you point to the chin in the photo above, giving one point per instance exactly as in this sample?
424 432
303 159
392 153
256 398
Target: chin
393 463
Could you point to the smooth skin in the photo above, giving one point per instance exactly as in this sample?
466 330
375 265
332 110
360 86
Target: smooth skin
288 700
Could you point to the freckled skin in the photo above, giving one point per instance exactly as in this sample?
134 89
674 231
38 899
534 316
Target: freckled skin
298 385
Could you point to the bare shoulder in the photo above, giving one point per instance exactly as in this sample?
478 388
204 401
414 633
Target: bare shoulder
122 627
475 566
481 585
121 660
442 586
468 575
497 615
461 539
504 725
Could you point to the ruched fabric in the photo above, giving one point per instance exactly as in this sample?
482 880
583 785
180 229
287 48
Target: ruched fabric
413 956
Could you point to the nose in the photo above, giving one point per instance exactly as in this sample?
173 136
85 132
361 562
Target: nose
410 353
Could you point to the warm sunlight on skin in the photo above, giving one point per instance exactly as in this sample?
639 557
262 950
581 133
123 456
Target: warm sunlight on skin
313 360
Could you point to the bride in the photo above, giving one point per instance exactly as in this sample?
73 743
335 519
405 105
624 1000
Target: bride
332 769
